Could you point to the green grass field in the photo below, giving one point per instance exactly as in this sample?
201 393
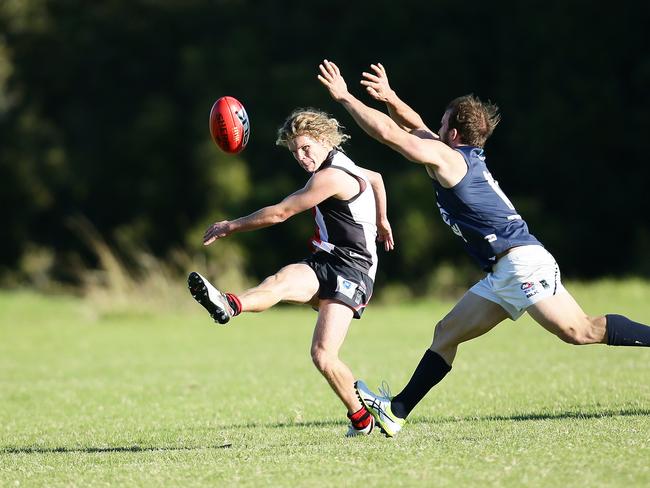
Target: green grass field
143 399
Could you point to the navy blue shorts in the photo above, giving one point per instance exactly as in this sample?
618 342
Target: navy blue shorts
340 282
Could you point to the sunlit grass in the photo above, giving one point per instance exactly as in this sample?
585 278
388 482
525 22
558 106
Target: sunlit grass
143 398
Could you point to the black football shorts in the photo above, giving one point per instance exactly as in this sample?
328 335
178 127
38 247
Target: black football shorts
340 282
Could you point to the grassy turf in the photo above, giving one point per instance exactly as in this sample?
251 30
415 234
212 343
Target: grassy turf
143 399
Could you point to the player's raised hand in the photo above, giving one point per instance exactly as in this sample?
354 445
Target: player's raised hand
330 76
385 234
216 231
377 83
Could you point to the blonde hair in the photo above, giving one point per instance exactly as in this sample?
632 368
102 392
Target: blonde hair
313 123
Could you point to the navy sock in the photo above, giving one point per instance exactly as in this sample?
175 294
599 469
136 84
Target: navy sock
622 331
430 371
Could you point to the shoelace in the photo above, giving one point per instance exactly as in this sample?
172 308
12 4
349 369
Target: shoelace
384 390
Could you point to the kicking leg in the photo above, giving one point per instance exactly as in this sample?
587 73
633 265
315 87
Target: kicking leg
296 283
293 283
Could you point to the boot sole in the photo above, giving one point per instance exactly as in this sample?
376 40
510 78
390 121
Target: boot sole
200 293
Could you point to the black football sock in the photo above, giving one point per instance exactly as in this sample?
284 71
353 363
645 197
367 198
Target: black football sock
621 331
430 371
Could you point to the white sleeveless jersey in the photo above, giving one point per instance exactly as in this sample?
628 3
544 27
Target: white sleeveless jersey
348 228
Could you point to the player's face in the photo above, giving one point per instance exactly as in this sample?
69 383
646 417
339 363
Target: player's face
444 129
309 152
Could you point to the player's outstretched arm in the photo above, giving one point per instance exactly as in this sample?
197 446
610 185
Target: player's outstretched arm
319 187
377 124
377 86
384 231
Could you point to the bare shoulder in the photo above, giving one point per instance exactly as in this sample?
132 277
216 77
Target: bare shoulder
327 174
370 174
442 162
431 150
339 183
328 177
451 168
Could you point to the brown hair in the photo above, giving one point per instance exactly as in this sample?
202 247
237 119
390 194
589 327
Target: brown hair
313 123
473 119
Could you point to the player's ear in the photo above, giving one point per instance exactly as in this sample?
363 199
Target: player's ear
454 136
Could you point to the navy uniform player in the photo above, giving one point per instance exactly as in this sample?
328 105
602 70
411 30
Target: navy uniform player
522 275
349 207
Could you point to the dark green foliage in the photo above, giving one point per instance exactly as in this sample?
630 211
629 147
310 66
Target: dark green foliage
104 105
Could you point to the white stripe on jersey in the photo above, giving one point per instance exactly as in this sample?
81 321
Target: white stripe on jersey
369 230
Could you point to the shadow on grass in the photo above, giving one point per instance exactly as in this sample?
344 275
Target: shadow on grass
64 450
631 412
573 414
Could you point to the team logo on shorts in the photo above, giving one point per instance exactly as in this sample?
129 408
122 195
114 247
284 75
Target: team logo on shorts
529 289
346 287
544 284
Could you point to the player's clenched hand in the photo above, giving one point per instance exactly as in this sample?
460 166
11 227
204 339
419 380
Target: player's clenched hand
331 77
377 84
385 235
216 231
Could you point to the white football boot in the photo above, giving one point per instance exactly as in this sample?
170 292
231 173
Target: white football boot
210 298
353 431
379 407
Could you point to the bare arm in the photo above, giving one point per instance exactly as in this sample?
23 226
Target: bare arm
384 231
378 88
378 125
319 187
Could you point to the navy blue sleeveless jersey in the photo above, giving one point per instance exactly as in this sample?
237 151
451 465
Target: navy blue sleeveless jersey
480 213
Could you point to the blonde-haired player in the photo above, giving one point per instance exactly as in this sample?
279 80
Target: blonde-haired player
349 206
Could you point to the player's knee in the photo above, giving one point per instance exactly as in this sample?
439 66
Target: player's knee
322 359
439 330
579 334
570 336
272 280
443 334
277 285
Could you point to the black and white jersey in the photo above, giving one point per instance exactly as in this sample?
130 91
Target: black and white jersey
347 229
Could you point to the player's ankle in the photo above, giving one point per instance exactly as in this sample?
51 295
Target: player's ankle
234 303
360 419
398 409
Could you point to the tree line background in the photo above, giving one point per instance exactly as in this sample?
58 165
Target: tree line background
104 114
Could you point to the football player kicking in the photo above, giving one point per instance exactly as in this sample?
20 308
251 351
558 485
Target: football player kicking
522 275
349 205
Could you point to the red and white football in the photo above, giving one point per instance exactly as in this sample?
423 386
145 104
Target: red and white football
229 125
